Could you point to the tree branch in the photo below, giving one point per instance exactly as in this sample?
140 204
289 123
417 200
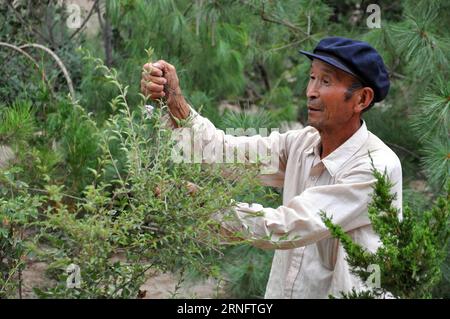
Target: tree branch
404 150
264 76
58 61
272 19
85 20
106 34
29 57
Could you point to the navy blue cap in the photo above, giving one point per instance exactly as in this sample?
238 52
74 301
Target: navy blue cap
357 58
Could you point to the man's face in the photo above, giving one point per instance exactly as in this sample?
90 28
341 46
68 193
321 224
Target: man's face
328 109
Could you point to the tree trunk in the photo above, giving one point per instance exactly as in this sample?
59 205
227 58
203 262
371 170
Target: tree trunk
6 155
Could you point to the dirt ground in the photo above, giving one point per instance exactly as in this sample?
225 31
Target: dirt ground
162 286
157 285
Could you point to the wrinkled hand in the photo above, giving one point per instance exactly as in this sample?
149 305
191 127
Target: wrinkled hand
160 80
191 188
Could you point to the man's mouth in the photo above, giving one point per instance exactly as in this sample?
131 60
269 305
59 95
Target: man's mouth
313 109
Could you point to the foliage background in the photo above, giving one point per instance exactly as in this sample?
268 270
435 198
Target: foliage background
238 62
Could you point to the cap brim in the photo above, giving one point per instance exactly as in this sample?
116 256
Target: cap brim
329 60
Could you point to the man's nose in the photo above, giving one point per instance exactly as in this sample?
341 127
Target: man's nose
311 90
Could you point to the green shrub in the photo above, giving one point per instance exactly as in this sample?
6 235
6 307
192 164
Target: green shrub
145 216
413 248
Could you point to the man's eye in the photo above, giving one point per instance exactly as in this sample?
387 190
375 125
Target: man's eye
312 77
326 82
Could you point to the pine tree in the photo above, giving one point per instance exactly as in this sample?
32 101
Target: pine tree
413 248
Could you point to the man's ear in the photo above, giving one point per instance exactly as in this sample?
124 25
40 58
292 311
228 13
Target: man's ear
365 97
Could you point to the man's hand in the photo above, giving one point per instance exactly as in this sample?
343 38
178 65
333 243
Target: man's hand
160 80
228 236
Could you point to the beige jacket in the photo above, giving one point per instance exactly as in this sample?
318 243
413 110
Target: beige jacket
308 263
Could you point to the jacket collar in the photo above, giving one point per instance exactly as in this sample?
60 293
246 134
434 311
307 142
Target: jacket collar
344 152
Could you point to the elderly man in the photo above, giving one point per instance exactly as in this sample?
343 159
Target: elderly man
324 167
